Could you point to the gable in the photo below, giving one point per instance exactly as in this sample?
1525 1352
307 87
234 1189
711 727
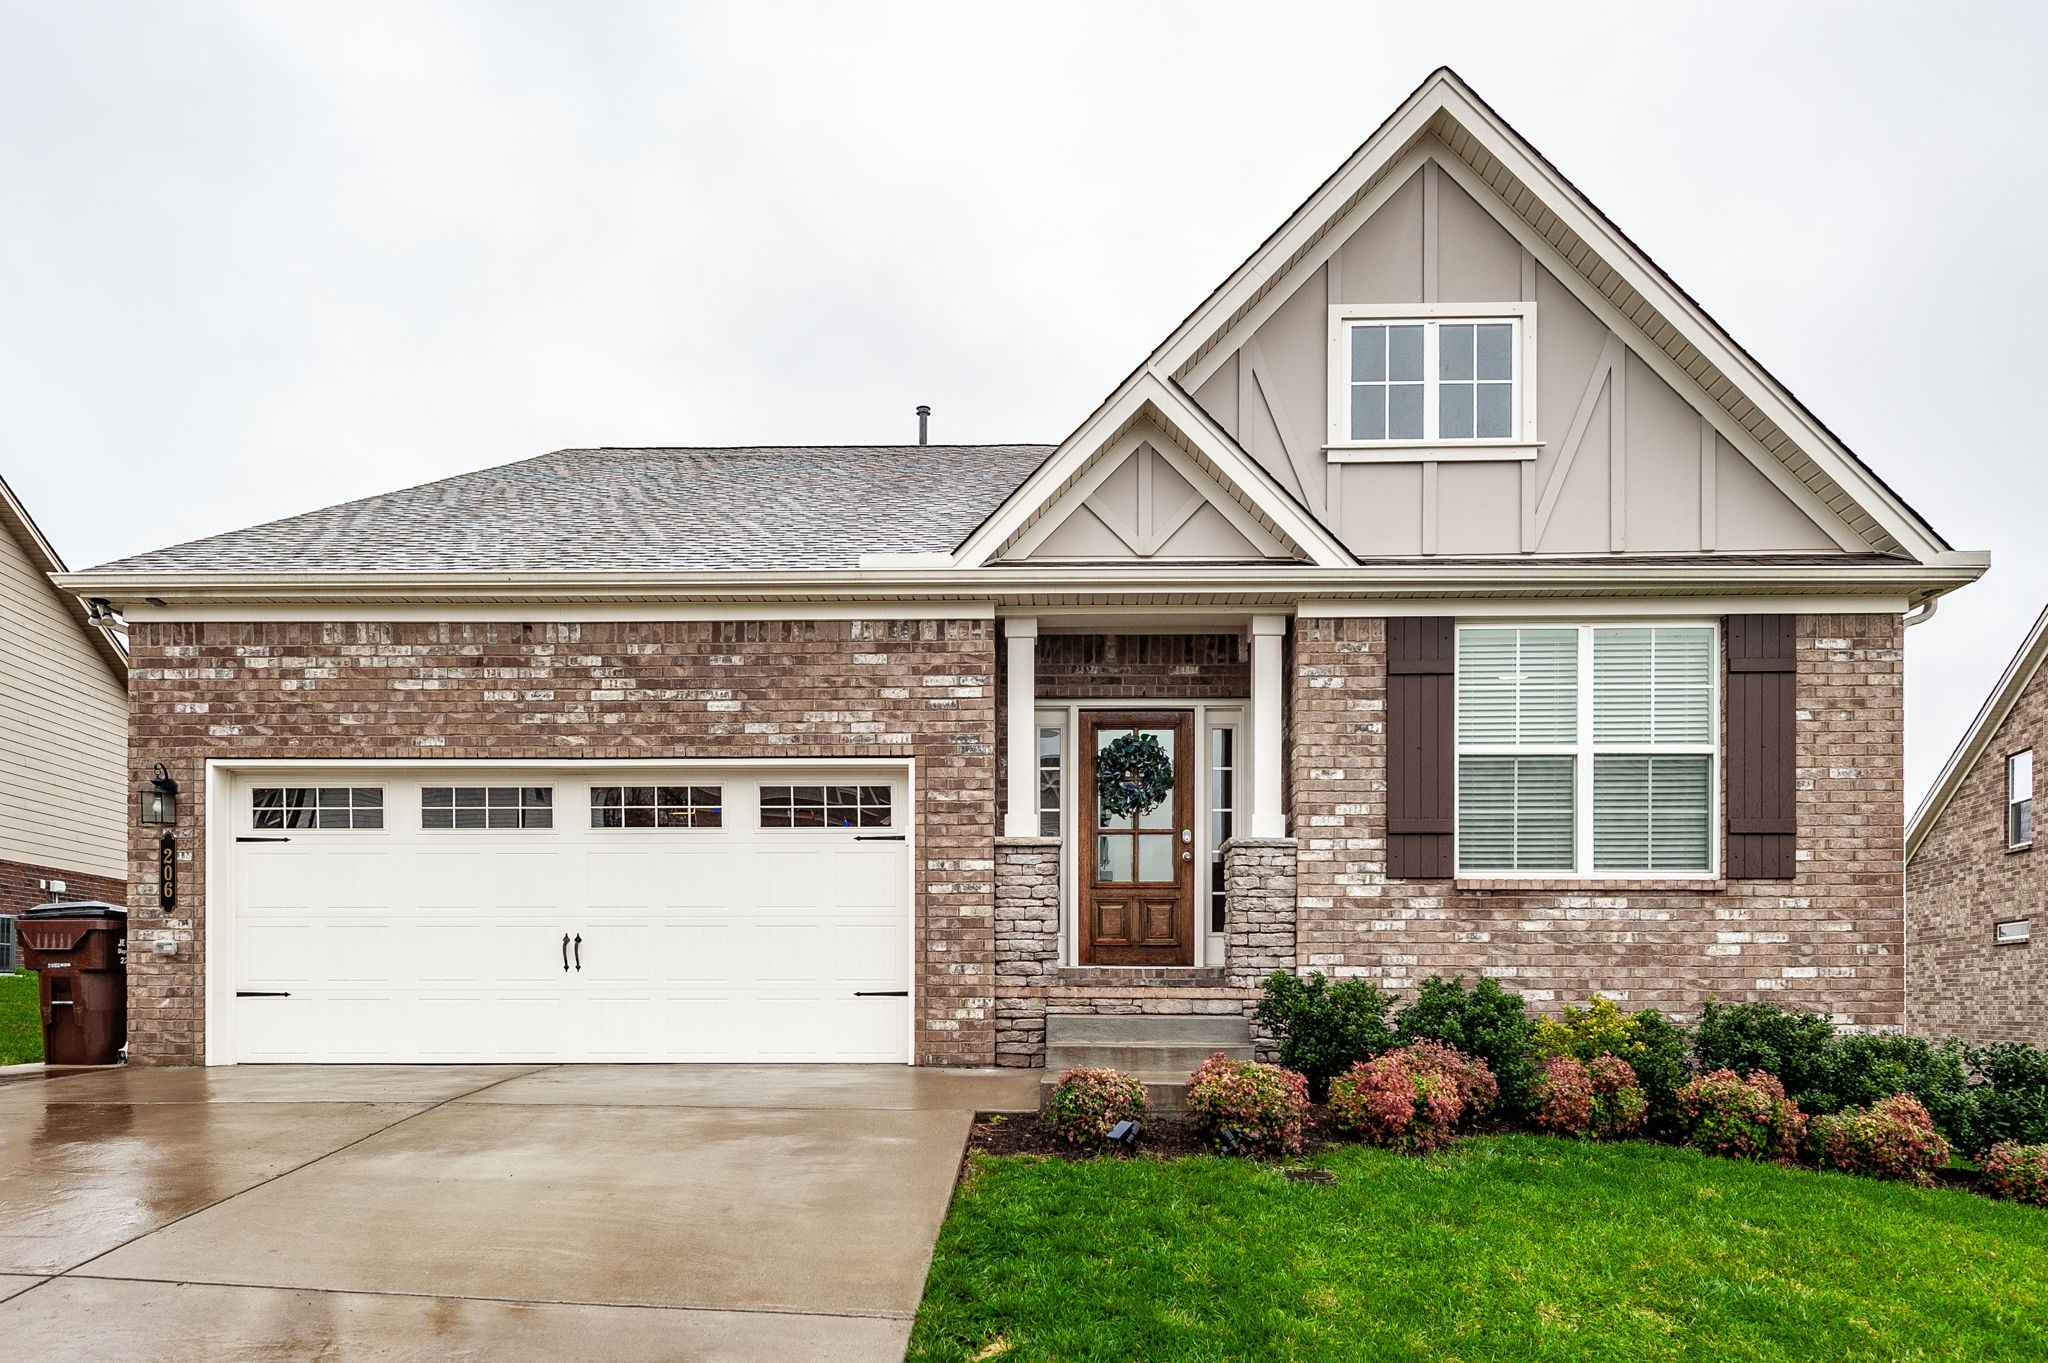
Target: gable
1150 477
1624 461
1440 202
2021 687
1145 501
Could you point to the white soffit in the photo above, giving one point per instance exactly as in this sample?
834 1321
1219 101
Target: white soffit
1578 244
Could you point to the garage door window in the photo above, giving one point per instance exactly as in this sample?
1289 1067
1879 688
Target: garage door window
657 807
318 807
487 807
825 806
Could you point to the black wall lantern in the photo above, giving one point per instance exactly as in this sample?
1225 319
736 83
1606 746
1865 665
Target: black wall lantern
159 803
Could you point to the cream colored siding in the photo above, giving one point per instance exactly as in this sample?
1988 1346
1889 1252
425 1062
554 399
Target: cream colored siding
1626 464
63 732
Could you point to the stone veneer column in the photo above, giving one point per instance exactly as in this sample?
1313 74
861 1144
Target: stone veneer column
1027 945
1259 906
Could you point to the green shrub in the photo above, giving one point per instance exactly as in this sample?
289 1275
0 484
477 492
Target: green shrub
1892 1138
1085 1103
2017 1171
1749 1118
2012 1100
1794 1045
1652 1044
1413 1098
1325 1026
1263 1107
1486 1021
1868 1067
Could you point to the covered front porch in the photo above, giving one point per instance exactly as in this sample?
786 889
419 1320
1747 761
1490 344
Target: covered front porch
1175 896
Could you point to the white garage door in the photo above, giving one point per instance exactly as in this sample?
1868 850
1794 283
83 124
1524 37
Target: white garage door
530 915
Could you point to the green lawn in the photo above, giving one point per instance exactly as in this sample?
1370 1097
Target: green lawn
1501 1248
21 1020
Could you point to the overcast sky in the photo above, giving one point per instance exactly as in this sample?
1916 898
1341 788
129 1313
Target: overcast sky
258 258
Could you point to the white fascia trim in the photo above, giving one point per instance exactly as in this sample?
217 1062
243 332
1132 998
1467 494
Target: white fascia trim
2019 674
968 593
1444 93
1609 608
1175 410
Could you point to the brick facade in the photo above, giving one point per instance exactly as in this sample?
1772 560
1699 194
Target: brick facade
1830 940
22 886
1962 881
1143 667
889 689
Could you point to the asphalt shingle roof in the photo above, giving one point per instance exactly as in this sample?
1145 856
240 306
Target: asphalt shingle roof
646 510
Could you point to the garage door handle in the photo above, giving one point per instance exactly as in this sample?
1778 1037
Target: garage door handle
262 994
262 839
881 993
565 953
878 837
579 951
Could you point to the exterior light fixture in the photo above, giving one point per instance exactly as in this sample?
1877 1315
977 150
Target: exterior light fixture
1125 1134
158 805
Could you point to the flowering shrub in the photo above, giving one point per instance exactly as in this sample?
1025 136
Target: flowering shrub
1486 1021
1602 1099
1086 1103
1749 1118
1564 1097
2019 1172
1263 1106
1654 1047
1414 1098
1892 1138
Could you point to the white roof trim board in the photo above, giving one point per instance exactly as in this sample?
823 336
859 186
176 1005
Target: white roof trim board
2019 674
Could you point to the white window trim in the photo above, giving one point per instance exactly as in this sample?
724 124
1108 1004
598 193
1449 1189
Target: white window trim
1342 449
2011 803
1586 749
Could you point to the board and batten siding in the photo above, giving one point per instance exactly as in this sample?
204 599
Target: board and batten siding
63 732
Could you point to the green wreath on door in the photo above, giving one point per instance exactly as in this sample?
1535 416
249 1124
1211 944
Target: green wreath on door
1132 775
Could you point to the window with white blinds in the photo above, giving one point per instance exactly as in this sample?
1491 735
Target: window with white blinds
1586 749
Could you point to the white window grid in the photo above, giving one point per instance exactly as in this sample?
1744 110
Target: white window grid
1519 317
1051 751
1587 748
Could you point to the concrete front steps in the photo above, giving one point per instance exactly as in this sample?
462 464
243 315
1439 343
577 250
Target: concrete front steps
1160 1050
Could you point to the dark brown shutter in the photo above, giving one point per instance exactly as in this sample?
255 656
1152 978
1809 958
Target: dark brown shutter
1421 728
1763 747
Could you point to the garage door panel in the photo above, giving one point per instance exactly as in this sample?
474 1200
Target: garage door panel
401 943
696 952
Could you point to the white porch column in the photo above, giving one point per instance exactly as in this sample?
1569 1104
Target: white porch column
1020 700
1269 819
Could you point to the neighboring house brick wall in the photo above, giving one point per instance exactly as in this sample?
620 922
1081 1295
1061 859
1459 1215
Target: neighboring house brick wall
596 692
22 886
1830 940
1962 881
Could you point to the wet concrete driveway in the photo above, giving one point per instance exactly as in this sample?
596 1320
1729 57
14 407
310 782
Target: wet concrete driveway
572 1212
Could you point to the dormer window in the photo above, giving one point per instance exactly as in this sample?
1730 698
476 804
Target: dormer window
1432 382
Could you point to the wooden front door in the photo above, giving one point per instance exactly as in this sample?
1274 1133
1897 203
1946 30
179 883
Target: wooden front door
1138 870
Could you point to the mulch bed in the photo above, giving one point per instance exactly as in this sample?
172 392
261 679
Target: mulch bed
1165 1138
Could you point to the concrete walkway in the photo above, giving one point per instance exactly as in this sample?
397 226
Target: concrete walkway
456 1212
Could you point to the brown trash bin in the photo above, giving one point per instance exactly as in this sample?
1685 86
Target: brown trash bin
80 955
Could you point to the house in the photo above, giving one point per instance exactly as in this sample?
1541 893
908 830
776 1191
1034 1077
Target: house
1974 891
1447 593
63 733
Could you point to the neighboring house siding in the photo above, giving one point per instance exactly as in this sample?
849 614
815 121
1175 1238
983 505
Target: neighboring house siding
1829 940
889 689
63 734
1962 881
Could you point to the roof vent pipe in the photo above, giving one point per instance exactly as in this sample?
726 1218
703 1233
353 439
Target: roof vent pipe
924 424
